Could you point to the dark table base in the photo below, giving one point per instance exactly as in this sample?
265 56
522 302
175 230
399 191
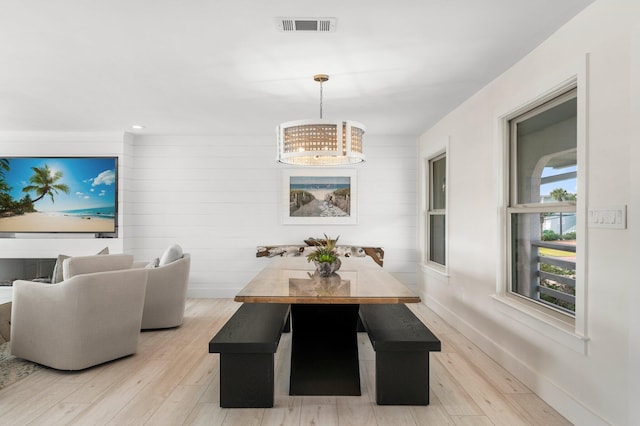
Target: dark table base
324 354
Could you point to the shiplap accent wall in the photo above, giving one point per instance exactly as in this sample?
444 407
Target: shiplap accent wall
221 196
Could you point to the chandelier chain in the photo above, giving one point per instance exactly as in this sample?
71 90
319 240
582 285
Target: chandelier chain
320 99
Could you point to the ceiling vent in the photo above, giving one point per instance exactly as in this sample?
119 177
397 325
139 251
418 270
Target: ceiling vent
322 25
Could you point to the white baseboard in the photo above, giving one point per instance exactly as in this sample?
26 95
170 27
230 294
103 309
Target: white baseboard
550 392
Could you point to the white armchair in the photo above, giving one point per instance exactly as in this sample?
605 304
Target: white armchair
166 294
83 321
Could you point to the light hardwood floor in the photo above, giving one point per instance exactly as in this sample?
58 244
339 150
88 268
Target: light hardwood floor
173 380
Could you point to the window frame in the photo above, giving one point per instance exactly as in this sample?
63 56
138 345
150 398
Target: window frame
514 206
430 211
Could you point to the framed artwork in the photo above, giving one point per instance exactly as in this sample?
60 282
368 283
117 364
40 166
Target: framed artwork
320 196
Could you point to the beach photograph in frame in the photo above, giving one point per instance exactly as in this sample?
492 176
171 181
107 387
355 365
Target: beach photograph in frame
58 194
320 197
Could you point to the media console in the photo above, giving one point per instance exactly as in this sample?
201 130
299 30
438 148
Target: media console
23 269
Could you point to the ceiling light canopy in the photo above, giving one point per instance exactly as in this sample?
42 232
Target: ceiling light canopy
320 142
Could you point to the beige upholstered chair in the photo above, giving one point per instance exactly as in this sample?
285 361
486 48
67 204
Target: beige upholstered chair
166 293
83 321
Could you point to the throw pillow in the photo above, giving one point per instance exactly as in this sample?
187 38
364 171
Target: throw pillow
171 254
56 275
153 264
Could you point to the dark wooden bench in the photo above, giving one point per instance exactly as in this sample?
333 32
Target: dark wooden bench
402 344
247 344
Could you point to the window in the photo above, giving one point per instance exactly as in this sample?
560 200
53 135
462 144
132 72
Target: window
436 212
542 203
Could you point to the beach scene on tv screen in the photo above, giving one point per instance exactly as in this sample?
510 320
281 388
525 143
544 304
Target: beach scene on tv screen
58 194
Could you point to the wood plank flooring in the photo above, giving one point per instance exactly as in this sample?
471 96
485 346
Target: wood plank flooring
173 380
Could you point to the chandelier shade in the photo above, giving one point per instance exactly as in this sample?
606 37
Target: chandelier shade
318 142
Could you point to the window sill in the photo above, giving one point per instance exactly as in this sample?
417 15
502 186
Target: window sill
434 269
558 328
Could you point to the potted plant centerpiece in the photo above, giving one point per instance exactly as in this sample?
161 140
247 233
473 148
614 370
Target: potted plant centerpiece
325 257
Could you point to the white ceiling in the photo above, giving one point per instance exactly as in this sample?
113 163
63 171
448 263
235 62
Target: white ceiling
223 67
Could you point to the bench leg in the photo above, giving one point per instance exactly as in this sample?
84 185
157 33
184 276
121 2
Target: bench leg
402 378
246 380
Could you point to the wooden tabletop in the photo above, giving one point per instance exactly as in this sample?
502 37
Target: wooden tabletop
292 280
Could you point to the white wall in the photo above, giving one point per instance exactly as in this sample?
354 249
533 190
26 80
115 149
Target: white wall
592 386
634 237
221 196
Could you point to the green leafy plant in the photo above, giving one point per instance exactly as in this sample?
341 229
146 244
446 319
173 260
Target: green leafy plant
549 235
325 253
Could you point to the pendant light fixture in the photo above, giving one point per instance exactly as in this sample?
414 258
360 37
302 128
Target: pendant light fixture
320 142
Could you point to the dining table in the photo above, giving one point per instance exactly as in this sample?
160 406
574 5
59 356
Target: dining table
324 316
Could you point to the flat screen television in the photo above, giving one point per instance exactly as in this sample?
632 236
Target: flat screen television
58 195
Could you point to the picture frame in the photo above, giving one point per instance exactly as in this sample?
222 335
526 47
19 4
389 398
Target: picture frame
319 197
